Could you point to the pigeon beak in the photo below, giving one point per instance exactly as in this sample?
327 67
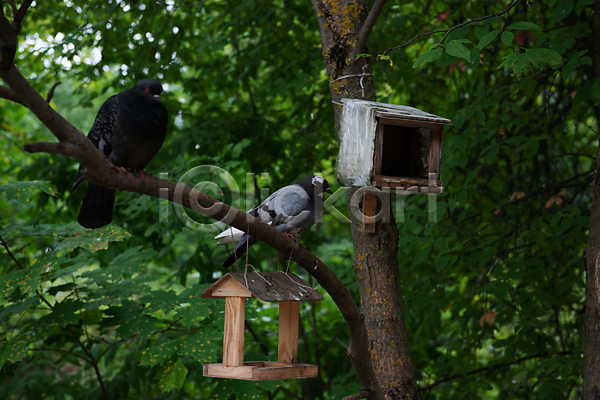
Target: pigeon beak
328 190
157 97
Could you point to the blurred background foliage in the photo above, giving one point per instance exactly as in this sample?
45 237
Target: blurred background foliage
494 289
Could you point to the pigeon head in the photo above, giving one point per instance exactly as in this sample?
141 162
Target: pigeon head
315 184
149 88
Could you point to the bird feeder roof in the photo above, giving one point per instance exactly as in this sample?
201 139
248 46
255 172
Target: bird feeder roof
272 287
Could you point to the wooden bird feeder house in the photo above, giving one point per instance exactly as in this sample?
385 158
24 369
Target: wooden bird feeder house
283 288
391 147
386 145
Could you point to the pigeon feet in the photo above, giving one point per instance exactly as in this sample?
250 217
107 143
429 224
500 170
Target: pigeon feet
141 172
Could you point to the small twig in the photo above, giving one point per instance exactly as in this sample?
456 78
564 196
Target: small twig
454 28
61 351
10 254
365 393
489 368
51 92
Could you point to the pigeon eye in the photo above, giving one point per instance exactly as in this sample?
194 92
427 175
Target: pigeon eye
147 90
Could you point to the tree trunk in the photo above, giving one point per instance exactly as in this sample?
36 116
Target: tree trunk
342 28
591 334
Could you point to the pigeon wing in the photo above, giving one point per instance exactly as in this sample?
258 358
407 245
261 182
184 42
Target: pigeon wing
101 132
288 209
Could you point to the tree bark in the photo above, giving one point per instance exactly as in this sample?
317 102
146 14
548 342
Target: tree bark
591 324
344 27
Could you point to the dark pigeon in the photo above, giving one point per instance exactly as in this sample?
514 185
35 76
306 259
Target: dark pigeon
129 130
292 210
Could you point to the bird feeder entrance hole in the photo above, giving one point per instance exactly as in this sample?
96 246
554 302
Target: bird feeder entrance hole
407 155
284 288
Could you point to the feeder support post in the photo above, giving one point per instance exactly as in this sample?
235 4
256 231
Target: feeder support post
233 336
287 351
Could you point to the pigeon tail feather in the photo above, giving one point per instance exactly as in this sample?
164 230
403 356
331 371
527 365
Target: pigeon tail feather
97 207
244 243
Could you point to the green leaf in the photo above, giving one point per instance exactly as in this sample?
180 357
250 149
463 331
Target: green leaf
27 280
172 374
498 344
431 55
23 192
545 55
526 347
569 67
420 256
582 93
532 148
521 376
446 59
457 49
545 388
561 12
507 38
501 290
458 33
530 26
203 346
16 348
159 354
65 312
518 62
596 89
441 262
237 149
487 39
90 239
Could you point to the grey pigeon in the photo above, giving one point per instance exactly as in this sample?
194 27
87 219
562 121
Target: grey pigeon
292 210
129 130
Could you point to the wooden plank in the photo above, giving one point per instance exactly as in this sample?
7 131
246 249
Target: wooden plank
435 151
390 180
277 286
377 150
413 117
369 212
233 336
231 288
287 350
408 123
261 371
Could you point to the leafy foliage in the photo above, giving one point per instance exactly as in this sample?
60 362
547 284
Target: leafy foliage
494 290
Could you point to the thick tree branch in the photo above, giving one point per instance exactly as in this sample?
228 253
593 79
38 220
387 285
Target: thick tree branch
8 94
495 15
366 28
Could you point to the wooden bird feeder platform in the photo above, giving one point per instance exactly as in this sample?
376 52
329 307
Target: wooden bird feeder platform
283 288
